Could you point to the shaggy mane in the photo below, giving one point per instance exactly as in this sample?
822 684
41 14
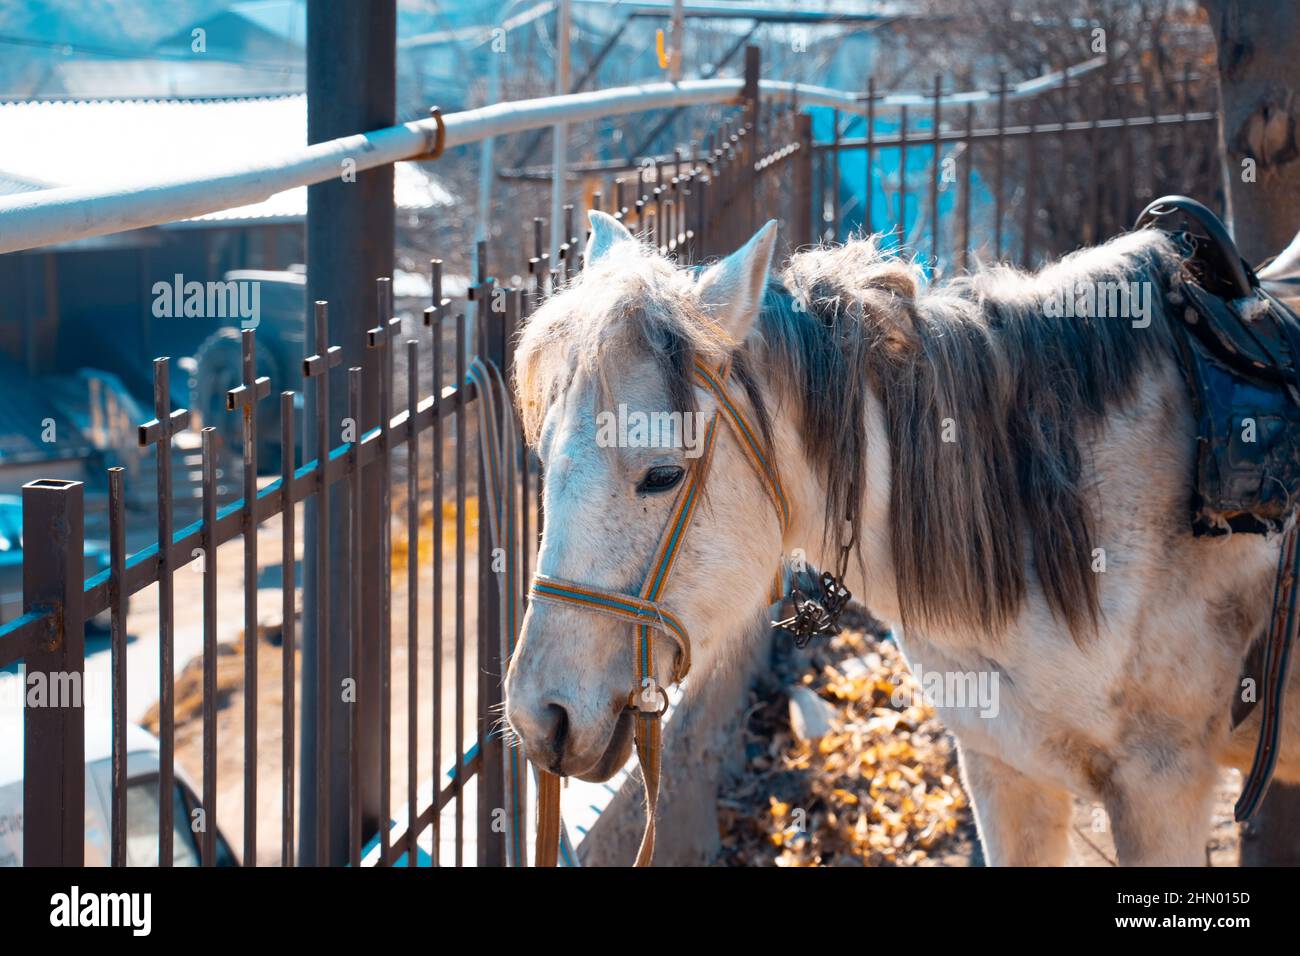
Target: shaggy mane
631 302
976 358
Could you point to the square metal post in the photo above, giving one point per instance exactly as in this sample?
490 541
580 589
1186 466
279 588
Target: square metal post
54 730
750 151
801 229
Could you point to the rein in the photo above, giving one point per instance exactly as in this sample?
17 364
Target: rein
646 700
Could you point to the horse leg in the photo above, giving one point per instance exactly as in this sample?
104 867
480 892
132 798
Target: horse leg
1159 808
1021 822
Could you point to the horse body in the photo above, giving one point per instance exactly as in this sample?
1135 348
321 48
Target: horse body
1022 492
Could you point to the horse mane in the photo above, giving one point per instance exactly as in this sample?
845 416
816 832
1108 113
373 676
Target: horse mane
631 303
977 359
985 398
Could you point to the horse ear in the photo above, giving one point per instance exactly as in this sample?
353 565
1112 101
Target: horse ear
732 290
606 232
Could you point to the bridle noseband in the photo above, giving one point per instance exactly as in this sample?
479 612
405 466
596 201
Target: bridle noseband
646 700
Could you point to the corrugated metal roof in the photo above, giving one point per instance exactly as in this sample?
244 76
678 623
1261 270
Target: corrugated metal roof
135 140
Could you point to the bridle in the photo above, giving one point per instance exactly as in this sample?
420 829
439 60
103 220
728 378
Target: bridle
647 701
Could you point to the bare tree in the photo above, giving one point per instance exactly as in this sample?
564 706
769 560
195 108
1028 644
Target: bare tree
1259 92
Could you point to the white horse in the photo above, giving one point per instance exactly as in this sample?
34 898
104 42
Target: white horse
1022 476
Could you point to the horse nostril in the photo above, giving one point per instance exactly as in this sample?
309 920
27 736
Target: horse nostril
557 729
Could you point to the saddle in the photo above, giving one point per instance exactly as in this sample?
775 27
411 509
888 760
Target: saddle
1240 355
1241 359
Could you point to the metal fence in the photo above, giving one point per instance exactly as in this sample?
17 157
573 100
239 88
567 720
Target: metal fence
995 175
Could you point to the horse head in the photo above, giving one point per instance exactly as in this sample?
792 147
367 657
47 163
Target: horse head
607 381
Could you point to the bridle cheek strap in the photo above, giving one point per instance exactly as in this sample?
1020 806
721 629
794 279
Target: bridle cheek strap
647 700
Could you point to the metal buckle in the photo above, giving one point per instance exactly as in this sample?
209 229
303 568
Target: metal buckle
810 617
644 699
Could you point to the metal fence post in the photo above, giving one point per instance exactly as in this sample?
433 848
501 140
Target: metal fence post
492 801
54 731
801 229
349 243
750 151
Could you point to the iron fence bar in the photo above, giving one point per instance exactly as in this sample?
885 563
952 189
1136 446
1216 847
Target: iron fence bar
433 317
460 593
1031 163
317 366
117 567
382 337
657 196
1093 218
901 223
288 631
357 569
1061 138
568 250
494 849
801 231
1185 101
159 432
968 166
54 736
541 256
999 175
244 399
412 593
1153 105
869 144
835 176
934 178
209 480
1122 195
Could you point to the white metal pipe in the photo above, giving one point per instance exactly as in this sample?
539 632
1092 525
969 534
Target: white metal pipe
29 220
41 218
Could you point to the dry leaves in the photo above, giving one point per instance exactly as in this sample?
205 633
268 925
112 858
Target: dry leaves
881 788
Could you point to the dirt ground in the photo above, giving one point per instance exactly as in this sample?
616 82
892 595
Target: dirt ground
862 776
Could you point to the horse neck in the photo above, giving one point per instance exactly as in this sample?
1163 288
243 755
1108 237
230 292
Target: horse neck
872 580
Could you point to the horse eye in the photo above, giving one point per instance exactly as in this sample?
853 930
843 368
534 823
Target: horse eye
660 478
